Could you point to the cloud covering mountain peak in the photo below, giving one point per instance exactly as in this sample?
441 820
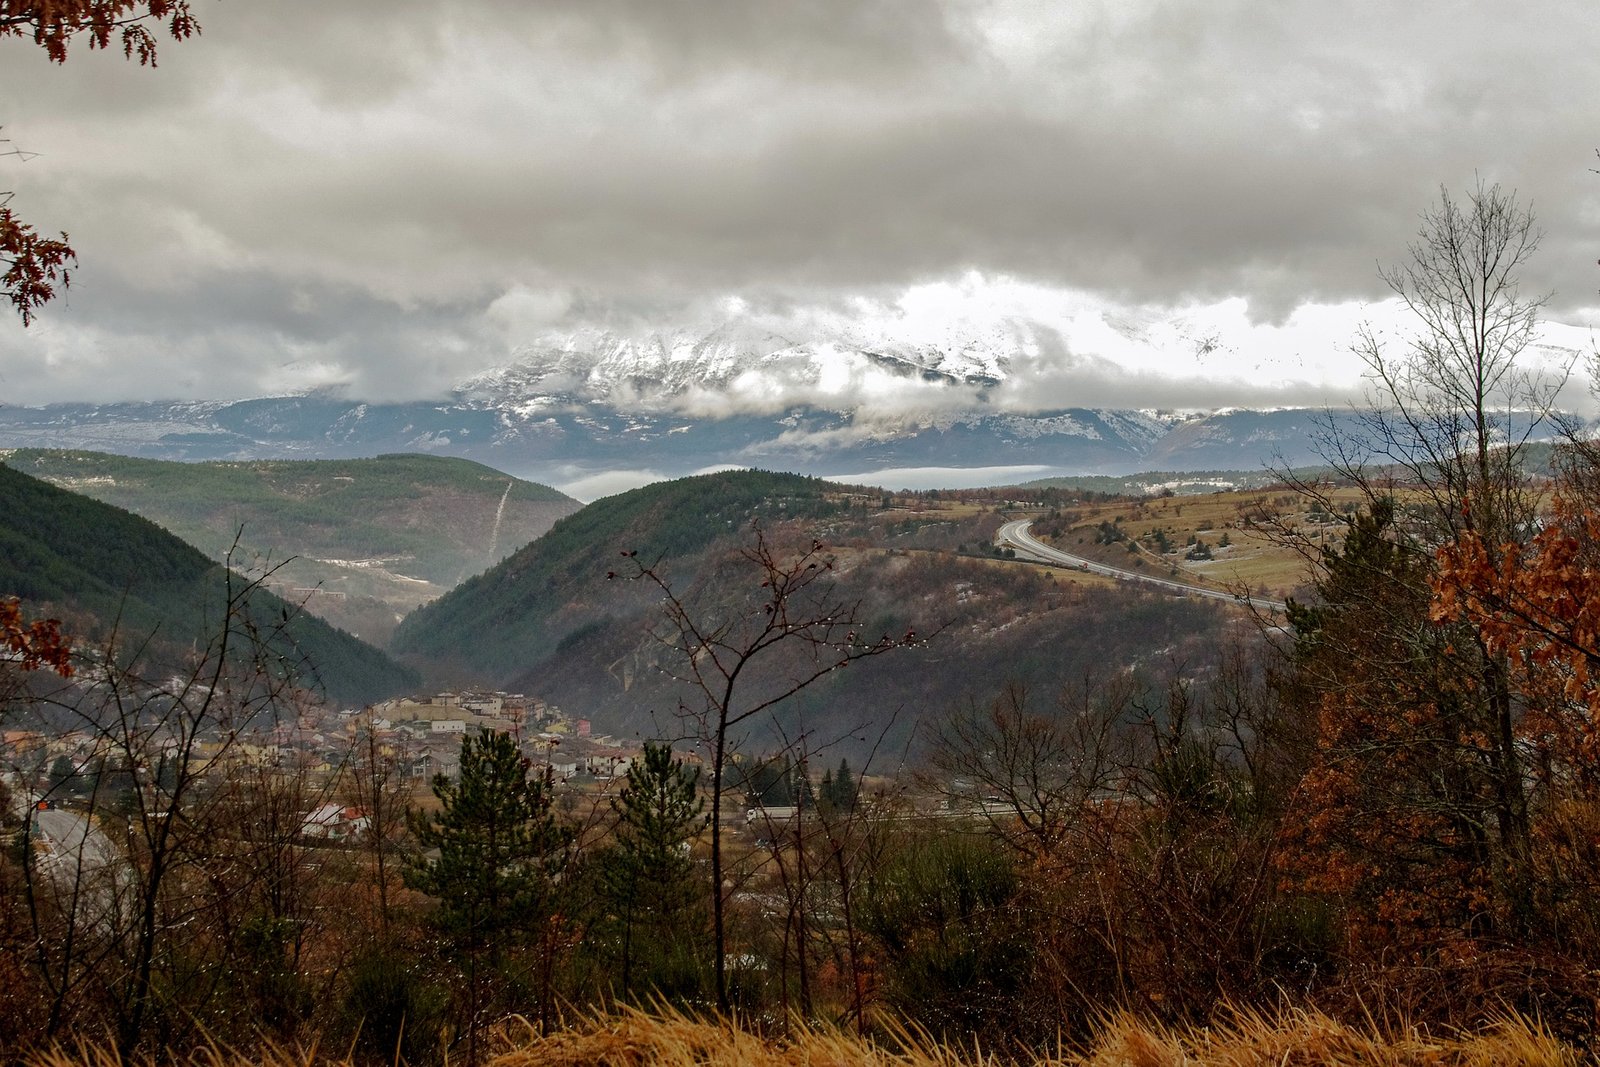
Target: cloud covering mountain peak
997 344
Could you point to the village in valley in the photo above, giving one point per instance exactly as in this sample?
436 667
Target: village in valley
424 734
419 737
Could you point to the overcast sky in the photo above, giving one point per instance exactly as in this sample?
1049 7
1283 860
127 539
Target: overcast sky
393 196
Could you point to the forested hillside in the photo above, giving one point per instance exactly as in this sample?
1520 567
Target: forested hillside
560 621
979 624
516 613
109 573
359 541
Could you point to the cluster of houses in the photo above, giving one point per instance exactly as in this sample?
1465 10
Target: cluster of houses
426 734
422 736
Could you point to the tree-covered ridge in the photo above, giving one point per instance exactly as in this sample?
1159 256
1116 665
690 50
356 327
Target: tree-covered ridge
519 611
434 511
548 622
105 570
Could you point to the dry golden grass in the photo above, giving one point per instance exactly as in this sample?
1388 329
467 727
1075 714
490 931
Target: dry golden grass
1306 1038
632 1038
1299 1039
1255 558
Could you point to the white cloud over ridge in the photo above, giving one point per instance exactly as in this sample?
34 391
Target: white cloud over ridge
1182 203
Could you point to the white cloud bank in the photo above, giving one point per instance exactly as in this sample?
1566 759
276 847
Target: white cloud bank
393 197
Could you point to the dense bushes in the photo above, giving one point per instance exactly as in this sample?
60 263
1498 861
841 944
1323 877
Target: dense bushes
957 950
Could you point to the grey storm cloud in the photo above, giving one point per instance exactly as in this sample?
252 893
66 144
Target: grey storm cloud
353 189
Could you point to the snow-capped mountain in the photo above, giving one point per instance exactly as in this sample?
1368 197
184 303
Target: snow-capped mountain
741 359
741 392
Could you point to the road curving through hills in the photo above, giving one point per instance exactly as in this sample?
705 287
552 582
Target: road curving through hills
1015 535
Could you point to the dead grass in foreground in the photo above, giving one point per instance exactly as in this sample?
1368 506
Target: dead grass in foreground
636 1039
639 1039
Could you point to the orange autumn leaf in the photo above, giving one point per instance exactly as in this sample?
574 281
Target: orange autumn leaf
37 645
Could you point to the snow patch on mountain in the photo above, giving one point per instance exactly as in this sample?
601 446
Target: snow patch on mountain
742 364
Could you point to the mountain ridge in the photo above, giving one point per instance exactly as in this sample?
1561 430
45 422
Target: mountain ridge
559 441
111 574
561 620
824 400
359 541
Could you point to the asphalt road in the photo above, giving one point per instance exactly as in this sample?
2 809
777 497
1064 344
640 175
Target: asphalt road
78 854
73 838
1015 535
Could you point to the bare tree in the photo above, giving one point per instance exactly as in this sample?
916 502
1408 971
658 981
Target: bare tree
1454 408
1034 775
780 634
820 855
377 786
170 754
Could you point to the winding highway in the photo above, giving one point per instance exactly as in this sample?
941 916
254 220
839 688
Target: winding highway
73 841
82 863
1015 535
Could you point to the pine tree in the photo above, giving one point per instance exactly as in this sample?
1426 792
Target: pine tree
845 788
770 782
495 839
1392 817
647 877
800 791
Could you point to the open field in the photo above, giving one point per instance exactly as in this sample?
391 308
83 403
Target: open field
1257 540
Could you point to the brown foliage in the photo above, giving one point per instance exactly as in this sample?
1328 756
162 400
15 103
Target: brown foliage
34 265
32 646
1538 604
52 24
1393 822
